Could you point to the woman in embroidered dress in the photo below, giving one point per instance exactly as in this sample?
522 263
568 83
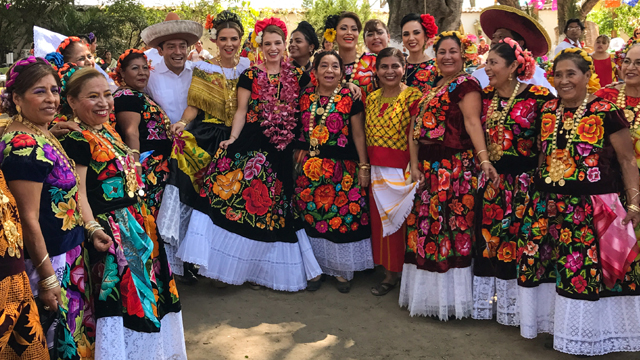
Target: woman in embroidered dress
330 196
21 336
376 37
390 111
511 114
249 183
344 29
418 32
212 103
42 178
138 313
303 43
143 125
437 275
579 240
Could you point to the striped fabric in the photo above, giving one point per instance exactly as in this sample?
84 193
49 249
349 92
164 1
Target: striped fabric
393 196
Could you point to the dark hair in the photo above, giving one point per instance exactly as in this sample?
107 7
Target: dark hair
350 15
577 59
27 76
274 29
372 25
319 56
436 46
331 22
309 34
124 63
229 24
505 51
572 21
410 17
390 52
89 38
518 38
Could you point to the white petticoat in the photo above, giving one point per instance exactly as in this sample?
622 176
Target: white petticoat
493 296
443 295
537 306
115 342
234 259
173 216
342 259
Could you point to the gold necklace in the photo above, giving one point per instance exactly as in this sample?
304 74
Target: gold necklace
631 115
60 150
321 128
230 86
133 184
557 167
424 104
495 118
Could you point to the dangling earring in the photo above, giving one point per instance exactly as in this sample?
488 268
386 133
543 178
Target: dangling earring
19 110
404 49
510 77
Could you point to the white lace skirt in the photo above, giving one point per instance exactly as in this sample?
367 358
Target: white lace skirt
173 216
234 259
493 296
537 307
115 342
342 259
427 293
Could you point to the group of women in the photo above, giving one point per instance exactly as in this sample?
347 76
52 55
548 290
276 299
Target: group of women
503 201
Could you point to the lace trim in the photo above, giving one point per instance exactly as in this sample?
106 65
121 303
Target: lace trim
342 259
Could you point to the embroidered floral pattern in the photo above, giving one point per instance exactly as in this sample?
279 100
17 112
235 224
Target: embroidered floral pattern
421 75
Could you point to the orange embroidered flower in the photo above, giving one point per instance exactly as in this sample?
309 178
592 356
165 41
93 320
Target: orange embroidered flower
547 126
592 160
327 167
541 227
305 195
590 129
569 164
347 182
99 152
490 193
412 240
492 244
313 168
308 218
468 201
507 251
321 133
323 196
344 106
341 200
565 236
228 185
411 219
335 223
599 106
354 208
456 207
539 90
305 102
429 120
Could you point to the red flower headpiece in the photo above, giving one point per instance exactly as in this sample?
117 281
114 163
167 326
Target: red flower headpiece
68 41
526 62
262 24
429 25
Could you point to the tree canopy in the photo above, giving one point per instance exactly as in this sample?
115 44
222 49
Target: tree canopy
626 19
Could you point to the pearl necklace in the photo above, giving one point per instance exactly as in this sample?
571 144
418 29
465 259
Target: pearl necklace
557 167
631 115
321 128
496 119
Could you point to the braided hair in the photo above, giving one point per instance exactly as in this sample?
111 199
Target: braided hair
24 74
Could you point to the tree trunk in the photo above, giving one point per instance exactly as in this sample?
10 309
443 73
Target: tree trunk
446 12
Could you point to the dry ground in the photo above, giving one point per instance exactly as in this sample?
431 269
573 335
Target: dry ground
240 323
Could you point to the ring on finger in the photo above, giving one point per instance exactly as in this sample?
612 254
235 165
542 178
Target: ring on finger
46 308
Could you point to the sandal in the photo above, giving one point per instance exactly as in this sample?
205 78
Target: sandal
314 285
255 286
383 288
343 286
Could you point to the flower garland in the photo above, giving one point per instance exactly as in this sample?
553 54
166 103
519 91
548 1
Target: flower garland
429 25
279 111
68 41
594 82
468 48
621 54
212 22
527 64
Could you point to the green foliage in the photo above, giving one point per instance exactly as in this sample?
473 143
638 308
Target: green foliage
318 10
626 19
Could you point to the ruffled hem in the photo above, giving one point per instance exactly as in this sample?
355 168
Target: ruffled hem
234 259
537 306
493 296
172 231
427 293
115 342
583 327
342 259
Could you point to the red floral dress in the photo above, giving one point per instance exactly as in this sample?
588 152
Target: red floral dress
364 74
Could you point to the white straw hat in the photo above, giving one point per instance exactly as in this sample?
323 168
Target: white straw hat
172 28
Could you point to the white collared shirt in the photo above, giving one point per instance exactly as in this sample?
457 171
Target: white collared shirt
170 90
566 44
537 79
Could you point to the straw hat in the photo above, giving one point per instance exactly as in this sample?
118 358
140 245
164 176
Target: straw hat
172 28
535 36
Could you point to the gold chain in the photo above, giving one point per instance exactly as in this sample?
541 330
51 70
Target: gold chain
631 115
230 85
496 119
324 111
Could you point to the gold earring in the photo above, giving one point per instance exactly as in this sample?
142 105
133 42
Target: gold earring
510 77
18 109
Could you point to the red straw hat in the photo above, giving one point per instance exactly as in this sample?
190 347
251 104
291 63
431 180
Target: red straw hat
506 17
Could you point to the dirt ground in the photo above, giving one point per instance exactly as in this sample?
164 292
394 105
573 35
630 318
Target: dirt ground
239 323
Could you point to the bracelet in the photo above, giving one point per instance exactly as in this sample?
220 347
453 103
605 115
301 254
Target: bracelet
42 262
135 151
48 283
484 161
480 152
633 208
137 164
634 196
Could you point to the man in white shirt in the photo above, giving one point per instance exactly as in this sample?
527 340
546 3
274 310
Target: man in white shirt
169 84
199 53
501 21
573 30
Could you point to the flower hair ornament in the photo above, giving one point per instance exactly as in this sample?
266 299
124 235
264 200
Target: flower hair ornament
428 22
55 59
115 74
65 73
468 48
16 69
256 36
621 54
330 24
594 82
68 41
526 62
224 16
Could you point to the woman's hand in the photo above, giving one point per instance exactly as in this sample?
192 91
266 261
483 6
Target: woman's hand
177 128
632 216
364 178
101 241
60 129
491 173
225 144
417 175
300 155
356 91
51 298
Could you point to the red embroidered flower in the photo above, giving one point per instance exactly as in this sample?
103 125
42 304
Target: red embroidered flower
109 172
524 112
463 244
524 146
257 198
608 94
344 105
579 283
507 251
304 102
444 179
599 106
22 140
492 212
130 297
430 249
445 247
323 196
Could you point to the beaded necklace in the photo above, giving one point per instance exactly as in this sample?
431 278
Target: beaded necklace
133 183
59 149
557 167
496 119
631 115
321 128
